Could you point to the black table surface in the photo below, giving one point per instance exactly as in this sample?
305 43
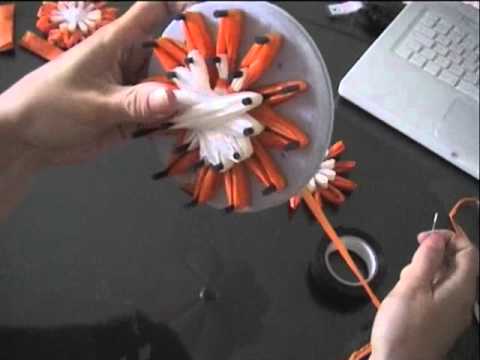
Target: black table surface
101 241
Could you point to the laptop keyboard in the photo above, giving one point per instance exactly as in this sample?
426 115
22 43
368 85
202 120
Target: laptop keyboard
445 50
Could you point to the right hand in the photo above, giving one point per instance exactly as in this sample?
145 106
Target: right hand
432 304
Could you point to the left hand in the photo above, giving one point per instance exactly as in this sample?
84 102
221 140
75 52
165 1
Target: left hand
83 102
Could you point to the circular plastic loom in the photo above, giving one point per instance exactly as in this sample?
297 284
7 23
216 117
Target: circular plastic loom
298 59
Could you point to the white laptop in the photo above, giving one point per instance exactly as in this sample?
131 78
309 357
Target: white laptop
421 76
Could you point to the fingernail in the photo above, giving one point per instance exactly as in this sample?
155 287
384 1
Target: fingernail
161 101
423 235
445 234
435 239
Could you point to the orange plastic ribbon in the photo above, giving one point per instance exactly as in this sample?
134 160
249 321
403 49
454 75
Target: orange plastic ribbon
39 46
362 353
7 13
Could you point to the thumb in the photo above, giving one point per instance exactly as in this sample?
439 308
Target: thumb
144 103
427 261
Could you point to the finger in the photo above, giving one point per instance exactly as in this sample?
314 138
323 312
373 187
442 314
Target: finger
464 261
458 290
426 262
423 235
146 15
144 103
179 6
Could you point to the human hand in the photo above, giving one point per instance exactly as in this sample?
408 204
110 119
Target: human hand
82 102
431 305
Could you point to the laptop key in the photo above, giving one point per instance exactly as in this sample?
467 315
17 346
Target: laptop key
455 57
422 39
468 89
442 61
457 35
418 60
456 70
414 45
425 31
404 51
429 20
443 27
442 39
472 58
458 48
440 49
448 77
432 68
429 54
470 65
470 77
470 43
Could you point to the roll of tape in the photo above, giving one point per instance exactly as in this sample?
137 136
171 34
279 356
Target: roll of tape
329 286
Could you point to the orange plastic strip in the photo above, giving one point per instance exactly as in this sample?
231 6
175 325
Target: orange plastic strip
278 93
336 149
256 169
7 13
228 186
263 59
240 187
279 124
165 59
197 35
344 184
39 46
272 170
198 181
232 32
362 353
271 139
209 185
342 167
174 48
459 205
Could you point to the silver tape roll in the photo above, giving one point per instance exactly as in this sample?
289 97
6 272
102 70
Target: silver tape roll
331 288
362 249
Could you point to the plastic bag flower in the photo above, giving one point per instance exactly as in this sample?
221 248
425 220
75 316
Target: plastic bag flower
225 125
66 23
328 185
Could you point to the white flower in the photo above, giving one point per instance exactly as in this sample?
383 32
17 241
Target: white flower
73 15
218 123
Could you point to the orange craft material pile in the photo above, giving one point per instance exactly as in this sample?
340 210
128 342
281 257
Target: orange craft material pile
63 24
226 137
7 13
66 23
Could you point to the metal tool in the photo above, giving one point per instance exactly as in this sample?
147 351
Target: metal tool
435 218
